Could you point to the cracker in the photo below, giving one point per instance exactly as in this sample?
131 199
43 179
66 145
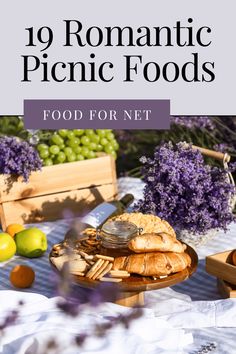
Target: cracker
122 276
115 271
85 255
77 273
57 247
118 274
89 262
105 271
100 270
90 232
94 268
59 261
78 266
111 280
92 242
106 258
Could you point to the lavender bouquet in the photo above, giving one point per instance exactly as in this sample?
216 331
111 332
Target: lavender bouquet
183 190
18 158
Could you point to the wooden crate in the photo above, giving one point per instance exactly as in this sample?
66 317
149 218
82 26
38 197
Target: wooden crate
66 188
220 265
226 289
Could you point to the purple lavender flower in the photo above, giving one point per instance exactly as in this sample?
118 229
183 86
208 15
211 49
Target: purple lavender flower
185 191
199 122
223 147
18 158
10 320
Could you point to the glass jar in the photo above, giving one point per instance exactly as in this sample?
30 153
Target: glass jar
115 236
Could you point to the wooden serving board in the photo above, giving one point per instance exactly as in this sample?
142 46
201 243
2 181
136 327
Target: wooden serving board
132 288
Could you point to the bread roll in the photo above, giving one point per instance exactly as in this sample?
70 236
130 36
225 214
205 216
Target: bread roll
151 242
234 257
148 222
153 263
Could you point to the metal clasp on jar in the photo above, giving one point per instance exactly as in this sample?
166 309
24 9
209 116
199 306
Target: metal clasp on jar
140 230
98 233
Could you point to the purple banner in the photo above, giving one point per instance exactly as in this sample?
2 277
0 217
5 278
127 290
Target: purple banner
97 114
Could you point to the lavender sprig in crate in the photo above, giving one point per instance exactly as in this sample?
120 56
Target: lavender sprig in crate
195 198
18 158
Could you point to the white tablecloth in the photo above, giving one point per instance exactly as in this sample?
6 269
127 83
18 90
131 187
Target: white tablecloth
194 306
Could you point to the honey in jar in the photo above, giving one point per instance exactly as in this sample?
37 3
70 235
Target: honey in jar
115 236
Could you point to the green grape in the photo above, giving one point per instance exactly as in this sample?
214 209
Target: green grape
77 149
91 155
56 139
92 146
110 136
101 133
70 134
68 151
63 133
79 157
61 157
85 140
42 147
73 142
113 153
89 132
114 144
94 138
78 132
54 149
71 158
56 162
108 148
103 141
62 146
99 147
44 154
48 162
20 125
84 151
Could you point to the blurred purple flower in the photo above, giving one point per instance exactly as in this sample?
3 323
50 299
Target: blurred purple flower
223 147
220 147
200 122
80 339
104 292
10 319
69 307
186 192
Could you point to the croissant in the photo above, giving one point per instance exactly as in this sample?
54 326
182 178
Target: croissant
150 242
153 263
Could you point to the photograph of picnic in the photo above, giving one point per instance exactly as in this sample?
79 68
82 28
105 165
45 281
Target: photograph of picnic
118 241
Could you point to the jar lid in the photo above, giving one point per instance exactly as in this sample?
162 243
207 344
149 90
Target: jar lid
120 229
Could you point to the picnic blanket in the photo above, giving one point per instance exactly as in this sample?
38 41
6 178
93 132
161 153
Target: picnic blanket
186 318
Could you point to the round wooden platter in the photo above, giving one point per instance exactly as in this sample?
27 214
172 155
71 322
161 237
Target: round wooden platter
132 288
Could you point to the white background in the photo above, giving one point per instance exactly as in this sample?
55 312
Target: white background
216 98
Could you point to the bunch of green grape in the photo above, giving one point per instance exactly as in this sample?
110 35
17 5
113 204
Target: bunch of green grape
77 145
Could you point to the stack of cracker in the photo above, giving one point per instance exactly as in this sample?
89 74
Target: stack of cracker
101 268
94 267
